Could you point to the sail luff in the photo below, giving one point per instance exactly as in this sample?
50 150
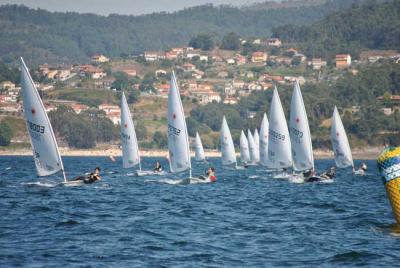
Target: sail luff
44 144
252 147
264 141
227 146
279 146
340 142
244 149
256 138
130 147
199 150
178 140
300 135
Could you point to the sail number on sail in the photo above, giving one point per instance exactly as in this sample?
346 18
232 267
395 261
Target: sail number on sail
173 131
296 134
35 127
276 135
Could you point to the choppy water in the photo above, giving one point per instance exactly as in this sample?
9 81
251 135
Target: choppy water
243 220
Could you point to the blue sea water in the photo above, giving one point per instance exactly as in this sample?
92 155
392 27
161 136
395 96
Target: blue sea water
245 219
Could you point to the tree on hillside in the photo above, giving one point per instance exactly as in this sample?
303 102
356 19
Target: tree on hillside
230 42
9 74
133 96
121 81
202 41
80 135
82 130
160 139
5 134
141 130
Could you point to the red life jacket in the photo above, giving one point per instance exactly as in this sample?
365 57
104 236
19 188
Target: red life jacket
213 178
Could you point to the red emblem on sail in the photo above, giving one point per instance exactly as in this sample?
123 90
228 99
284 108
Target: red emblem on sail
337 134
33 111
297 120
174 116
125 125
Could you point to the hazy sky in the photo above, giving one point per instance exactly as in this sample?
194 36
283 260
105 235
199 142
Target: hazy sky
106 7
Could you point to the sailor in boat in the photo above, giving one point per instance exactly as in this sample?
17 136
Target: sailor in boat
325 176
92 177
158 167
210 175
308 173
362 169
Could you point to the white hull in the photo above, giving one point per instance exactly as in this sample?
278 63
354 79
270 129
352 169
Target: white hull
72 183
141 173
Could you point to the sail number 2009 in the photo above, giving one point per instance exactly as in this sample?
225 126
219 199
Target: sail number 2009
36 128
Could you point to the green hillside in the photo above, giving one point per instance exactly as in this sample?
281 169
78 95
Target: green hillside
41 36
373 25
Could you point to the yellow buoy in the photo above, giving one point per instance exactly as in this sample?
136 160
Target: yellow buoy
389 167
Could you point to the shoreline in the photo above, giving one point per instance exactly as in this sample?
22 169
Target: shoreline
369 153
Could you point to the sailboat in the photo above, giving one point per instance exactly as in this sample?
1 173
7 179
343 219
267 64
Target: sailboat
178 138
340 143
244 149
252 147
44 145
256 138
130 148
279 146
228 155
264 141
198 149
302 153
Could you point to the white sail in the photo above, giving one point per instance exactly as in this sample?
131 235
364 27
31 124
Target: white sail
340 143
178 140
252 147
227 148
300 135
279 147
244 148
256 138
264 141
44 145
199 151
130 150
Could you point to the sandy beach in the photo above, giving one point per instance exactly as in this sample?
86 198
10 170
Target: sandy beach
367 153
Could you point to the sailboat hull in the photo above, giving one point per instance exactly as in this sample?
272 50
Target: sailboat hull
142 173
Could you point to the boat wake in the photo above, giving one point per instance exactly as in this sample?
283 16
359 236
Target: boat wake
41 184
179 181
166 181
296 179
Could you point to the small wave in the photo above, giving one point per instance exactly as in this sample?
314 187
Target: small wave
152 247
392 229
180 243
167 181
254 177
102 186
40 208
67 223
352 256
